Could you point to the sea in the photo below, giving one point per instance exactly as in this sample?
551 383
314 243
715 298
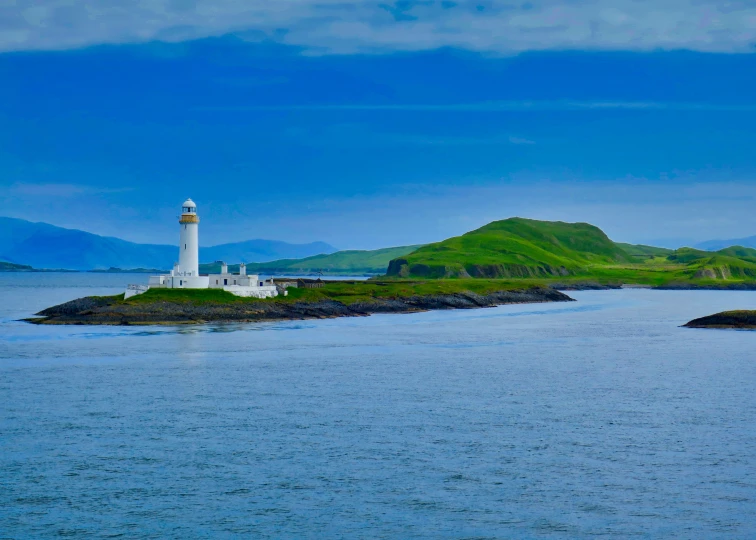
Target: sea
595 418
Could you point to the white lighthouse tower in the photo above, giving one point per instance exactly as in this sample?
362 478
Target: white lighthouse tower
185 273
189 240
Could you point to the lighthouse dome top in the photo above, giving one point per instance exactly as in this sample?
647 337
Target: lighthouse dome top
189 207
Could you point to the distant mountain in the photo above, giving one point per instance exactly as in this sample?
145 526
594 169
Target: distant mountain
349 262
262 250
46 246
716 245
11 267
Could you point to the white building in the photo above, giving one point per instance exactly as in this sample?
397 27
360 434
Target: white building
242 284
185 273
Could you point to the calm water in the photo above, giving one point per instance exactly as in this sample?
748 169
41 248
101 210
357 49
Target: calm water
599 417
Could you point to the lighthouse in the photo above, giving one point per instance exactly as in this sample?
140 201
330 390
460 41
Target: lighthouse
189 240
185 273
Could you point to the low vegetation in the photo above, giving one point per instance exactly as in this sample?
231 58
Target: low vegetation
346 292
344 263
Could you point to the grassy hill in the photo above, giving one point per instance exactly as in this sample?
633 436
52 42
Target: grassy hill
640 253
730 263
514 247
350 262
564 252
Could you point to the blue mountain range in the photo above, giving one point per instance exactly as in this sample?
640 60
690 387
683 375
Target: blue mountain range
715 245
42 245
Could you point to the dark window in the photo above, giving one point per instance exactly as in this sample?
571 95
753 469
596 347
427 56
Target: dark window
184 246
225 282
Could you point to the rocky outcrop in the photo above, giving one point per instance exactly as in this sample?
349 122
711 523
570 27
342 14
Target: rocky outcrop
494 271
743 320
585 286
94 310
398 268
724 272
403 268
721 286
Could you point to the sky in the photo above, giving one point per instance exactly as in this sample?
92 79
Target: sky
373 124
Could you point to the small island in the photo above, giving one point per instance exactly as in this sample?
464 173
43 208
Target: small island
737 320
333 299
510 261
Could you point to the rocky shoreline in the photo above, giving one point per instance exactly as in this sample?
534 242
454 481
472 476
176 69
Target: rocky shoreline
738 320
112 311
707 287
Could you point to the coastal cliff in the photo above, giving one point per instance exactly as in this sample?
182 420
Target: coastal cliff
115 311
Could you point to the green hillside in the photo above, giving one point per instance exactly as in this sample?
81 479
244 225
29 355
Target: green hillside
730 263
565 252
514 247
639 252
351 262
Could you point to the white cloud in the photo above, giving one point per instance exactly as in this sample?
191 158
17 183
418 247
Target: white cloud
342 27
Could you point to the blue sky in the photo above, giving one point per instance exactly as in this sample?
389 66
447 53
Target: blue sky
369 124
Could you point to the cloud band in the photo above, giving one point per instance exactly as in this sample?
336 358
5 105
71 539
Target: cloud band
342 27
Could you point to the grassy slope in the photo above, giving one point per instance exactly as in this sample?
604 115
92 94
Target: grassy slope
346 292
640 252
352 262
567 252
515 247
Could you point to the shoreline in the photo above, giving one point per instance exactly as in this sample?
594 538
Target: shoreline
113 311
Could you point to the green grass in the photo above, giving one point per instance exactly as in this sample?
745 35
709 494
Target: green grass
351 262
564 252
514 247
640 252
194 296
347 292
